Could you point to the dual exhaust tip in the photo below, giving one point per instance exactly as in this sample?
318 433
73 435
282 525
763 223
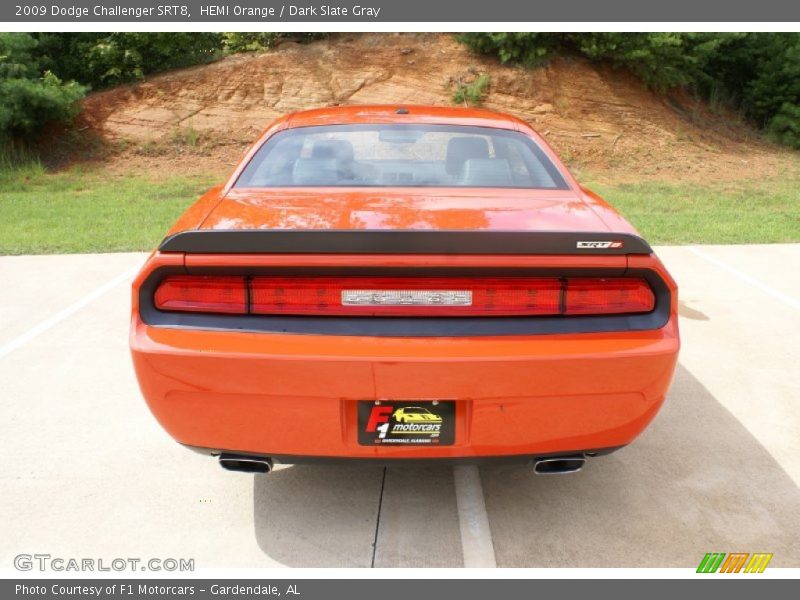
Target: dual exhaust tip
559 465
245 464
554 465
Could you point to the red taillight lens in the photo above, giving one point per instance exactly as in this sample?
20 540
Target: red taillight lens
590 296
202 294
405 296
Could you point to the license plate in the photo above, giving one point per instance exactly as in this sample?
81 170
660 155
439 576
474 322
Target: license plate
408 423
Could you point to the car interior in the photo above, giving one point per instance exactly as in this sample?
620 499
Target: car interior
469 161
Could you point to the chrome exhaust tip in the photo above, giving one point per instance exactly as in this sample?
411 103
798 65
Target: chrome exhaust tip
558 465
245 464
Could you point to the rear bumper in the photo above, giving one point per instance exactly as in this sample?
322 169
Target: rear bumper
288 395
399 462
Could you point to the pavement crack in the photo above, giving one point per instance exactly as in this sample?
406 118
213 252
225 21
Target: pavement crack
378 520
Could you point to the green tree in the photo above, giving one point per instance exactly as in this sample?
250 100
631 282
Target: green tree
30 97
106 59
529 49
661 60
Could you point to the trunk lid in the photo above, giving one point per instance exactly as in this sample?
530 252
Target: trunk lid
406 209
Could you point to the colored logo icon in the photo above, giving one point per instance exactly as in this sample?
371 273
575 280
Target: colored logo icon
736 562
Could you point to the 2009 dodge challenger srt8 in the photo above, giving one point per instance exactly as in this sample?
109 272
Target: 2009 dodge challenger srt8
403 283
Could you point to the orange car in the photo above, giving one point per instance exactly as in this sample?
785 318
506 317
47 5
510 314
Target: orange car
366 262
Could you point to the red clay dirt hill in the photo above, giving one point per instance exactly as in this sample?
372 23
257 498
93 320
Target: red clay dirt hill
602 121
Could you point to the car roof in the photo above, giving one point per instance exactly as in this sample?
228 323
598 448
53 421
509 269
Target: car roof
402 113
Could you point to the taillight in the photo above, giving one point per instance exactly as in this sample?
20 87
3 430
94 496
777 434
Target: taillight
591 296
405 296
188 293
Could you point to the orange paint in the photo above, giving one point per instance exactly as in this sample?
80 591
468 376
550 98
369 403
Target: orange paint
296 394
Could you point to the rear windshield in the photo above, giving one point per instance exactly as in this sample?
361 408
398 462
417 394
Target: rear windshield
400 155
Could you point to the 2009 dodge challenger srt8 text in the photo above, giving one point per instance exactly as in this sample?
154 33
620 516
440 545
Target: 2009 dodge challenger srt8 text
403 283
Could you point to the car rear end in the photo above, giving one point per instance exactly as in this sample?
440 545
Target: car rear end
412 284
297 356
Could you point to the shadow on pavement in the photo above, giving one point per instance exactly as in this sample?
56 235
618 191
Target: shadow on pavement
696 481
318 515
327 516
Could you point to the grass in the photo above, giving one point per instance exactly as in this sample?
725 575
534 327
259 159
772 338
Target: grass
471 94
90 210
732 213
84 210
185 136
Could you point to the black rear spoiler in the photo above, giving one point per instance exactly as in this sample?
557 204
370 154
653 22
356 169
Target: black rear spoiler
401 241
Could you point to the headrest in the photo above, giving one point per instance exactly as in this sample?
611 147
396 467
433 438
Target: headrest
486 172
460 149
314 171
341 150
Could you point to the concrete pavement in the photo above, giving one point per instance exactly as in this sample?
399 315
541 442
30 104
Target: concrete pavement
88 472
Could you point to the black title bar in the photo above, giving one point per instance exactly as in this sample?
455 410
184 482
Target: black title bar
730 587
264 12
